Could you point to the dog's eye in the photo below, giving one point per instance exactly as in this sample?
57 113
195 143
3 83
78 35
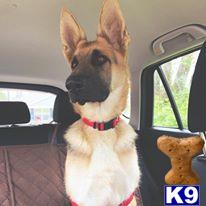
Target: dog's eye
74 63
101 60
98 59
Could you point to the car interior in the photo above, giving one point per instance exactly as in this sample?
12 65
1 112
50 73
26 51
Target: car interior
167 58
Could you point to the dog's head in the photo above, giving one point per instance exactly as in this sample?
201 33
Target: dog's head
98 67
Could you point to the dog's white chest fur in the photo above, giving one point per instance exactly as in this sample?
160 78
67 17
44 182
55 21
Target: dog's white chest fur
102 169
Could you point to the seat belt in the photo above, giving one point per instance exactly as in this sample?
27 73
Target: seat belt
53 139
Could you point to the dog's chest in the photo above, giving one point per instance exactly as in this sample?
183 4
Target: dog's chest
107 175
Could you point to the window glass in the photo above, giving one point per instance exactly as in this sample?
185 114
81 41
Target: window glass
40 104
178 73
163 113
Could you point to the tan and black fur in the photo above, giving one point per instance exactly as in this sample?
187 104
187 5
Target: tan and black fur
102 166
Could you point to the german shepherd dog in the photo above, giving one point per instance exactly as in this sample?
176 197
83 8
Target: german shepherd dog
101 165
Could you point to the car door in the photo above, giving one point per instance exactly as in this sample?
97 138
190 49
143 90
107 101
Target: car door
165 88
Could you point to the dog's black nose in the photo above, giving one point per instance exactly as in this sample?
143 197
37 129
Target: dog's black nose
74 84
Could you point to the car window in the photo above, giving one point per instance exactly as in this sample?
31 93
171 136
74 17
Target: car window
40 104
163 113
178 75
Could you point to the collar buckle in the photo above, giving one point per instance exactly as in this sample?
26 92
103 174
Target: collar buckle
102 126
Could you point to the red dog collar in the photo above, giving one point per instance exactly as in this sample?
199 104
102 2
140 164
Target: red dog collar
124 203
128 200
101 126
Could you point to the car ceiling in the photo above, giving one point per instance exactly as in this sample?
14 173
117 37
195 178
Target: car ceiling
30 47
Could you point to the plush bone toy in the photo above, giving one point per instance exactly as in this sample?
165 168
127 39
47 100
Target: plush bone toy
180 151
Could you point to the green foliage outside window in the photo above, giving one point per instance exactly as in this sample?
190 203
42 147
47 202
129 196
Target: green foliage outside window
178 73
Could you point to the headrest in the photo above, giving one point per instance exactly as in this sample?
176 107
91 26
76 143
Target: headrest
14 113
197 99
63 110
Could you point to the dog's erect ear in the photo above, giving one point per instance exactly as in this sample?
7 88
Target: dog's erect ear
71 32
112 25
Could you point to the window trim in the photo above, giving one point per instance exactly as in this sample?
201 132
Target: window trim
34 87
147 89
171 98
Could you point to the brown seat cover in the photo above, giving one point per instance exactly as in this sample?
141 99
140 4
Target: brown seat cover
32 175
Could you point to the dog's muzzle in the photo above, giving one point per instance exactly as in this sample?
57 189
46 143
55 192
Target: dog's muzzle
83 89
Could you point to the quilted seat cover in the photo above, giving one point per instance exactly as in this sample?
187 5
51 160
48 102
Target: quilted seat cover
32 175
